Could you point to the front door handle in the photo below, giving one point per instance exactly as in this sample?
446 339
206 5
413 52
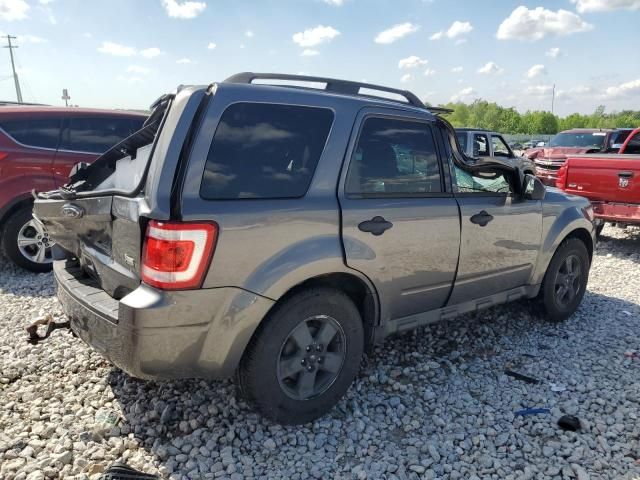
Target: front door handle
482 218
376 226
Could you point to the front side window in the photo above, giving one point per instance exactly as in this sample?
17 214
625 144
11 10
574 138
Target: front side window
394 157
633 147
264 150
95 134
500 148
466 182
34 132
480 145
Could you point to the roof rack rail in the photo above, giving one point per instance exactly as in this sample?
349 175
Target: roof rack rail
338 86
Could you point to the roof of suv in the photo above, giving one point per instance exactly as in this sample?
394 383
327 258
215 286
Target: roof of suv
336 88
66 110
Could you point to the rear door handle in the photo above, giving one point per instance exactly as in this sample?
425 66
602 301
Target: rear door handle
376 226
625 174
482 218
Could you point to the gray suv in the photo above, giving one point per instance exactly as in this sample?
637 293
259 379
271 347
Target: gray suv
275 232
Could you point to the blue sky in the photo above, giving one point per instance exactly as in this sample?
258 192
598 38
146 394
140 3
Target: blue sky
125 53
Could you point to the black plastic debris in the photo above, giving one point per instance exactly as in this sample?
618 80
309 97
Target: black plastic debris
569 422
122 471
522 377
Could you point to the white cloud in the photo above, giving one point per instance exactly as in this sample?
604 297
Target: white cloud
429 72
184 61
249 34
407 77
412 61
396 33
117 50
11 10
536 70
463 94
553 52
315 36
457 69
456 29
573 92
625 89
308 52
151 52
184 10
211 46
538 90
335 3
490 68
603 5
137 69
535 24
45 2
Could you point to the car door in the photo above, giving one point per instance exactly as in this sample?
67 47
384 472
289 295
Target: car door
500 236
400 227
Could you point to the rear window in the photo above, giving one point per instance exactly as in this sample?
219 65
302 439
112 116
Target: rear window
34 132
96 134
264 150
462 140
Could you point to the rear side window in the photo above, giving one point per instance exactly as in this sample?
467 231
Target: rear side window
95 134
265 150
394 157
462 140
633 147
34 132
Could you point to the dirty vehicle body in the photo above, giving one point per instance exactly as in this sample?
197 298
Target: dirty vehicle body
274 233
478 143
548 159
610 181
38 147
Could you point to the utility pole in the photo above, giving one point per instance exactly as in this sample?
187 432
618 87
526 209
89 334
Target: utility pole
13 66
553 97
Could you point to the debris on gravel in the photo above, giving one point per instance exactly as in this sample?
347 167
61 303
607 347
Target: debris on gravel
435 403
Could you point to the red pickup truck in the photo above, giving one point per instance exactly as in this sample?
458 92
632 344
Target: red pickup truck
610 181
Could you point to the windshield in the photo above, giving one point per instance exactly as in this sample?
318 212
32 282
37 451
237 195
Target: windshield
584 140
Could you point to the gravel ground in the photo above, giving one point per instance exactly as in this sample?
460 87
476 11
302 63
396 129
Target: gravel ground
431 404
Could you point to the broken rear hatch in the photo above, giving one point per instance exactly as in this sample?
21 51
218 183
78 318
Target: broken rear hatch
95 218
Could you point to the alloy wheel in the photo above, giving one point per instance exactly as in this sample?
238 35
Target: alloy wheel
34 243
568 281
311 357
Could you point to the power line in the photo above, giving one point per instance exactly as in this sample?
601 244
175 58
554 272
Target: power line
13 66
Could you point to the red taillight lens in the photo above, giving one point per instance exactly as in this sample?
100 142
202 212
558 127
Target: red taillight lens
561 179
176 255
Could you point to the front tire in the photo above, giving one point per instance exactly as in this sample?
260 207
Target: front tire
303 358
26 243
565 281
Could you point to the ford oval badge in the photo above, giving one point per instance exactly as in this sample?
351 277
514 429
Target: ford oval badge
72 211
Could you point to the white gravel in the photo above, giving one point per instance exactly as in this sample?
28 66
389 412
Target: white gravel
433 404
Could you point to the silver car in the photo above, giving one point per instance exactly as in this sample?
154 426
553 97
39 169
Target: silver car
275 232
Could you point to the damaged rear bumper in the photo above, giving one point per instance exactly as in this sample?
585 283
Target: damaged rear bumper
156 334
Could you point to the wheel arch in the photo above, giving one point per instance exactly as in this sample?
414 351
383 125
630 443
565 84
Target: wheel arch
12 207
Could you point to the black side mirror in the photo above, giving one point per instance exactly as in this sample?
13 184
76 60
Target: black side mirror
533 188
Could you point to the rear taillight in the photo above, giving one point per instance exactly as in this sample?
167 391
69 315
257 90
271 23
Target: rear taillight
176 255
561 179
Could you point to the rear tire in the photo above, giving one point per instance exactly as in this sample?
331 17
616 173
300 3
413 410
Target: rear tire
303 358
565 280
18 225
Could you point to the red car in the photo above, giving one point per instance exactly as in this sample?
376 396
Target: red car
610 181
38 148
550 158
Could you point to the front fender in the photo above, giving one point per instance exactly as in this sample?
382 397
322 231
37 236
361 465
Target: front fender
560 219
